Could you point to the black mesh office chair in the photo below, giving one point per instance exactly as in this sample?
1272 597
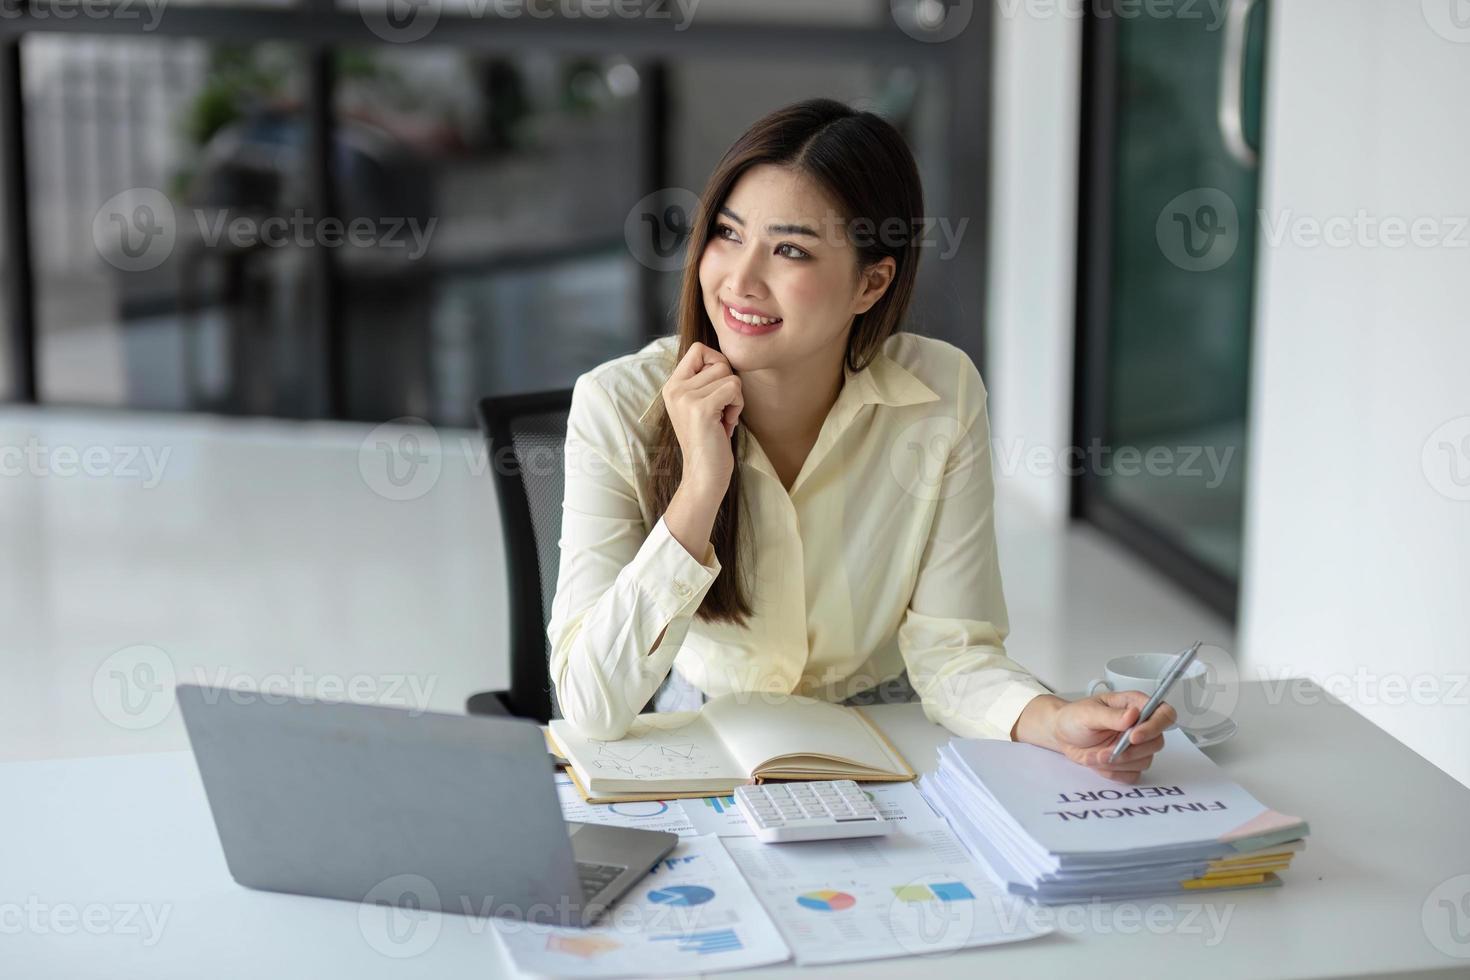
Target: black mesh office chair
525 436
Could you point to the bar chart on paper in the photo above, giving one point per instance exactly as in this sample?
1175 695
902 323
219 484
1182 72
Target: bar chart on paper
910 893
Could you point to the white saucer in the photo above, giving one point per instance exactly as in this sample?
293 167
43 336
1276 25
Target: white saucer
1214 729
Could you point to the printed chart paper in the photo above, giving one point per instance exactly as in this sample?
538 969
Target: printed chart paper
692 914
913 892
664 815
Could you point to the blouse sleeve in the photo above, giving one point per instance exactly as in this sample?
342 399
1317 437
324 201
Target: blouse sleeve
952 634
618 585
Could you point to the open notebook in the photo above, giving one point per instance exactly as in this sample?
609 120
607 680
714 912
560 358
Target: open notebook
732 740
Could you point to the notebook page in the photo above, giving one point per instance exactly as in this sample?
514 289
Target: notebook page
675 748
761 727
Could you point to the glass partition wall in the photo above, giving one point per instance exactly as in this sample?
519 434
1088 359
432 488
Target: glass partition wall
361 212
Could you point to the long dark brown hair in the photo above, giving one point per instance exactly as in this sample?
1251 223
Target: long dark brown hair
866 167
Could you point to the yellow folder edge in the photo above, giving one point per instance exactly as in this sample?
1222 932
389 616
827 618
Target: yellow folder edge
1202 884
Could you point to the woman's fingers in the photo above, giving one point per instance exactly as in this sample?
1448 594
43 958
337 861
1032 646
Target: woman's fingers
1164 715
1131 765
699 370
1099 761
1135 758
695 359
721 395
1136 750
708 375
733 409
1119 777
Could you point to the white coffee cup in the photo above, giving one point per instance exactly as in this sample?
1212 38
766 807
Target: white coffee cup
1143 671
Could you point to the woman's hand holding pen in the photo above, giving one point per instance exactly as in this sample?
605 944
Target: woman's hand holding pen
1086 730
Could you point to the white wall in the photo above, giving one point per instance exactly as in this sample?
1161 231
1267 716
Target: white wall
1033 208
1357 564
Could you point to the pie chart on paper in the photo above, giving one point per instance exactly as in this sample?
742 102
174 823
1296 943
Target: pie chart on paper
681 895
826 900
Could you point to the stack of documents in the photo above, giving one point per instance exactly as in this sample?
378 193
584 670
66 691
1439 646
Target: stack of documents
1054 831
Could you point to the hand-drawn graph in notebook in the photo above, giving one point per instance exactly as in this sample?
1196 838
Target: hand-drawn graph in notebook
676 746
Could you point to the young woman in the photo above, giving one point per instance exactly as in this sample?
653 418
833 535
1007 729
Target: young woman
791 495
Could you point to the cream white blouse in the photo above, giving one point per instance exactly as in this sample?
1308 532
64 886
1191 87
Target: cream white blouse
881 556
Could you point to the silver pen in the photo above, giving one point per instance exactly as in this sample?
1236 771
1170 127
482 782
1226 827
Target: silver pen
1175 671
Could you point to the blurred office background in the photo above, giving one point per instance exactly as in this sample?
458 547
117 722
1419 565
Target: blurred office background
1130 277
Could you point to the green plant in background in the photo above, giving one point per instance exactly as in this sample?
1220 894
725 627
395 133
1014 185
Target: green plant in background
243 77
239 77
584 88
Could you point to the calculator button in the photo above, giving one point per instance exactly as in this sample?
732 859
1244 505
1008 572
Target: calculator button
817 810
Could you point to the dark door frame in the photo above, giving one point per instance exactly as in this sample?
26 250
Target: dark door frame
1095 217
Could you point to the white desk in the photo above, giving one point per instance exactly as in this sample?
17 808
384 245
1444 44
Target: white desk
113 837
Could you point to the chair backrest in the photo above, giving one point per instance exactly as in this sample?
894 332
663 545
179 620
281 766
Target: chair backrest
525 436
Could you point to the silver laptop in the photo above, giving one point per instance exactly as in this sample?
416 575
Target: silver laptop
449 812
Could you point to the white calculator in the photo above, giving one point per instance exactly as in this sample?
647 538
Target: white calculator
781 812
